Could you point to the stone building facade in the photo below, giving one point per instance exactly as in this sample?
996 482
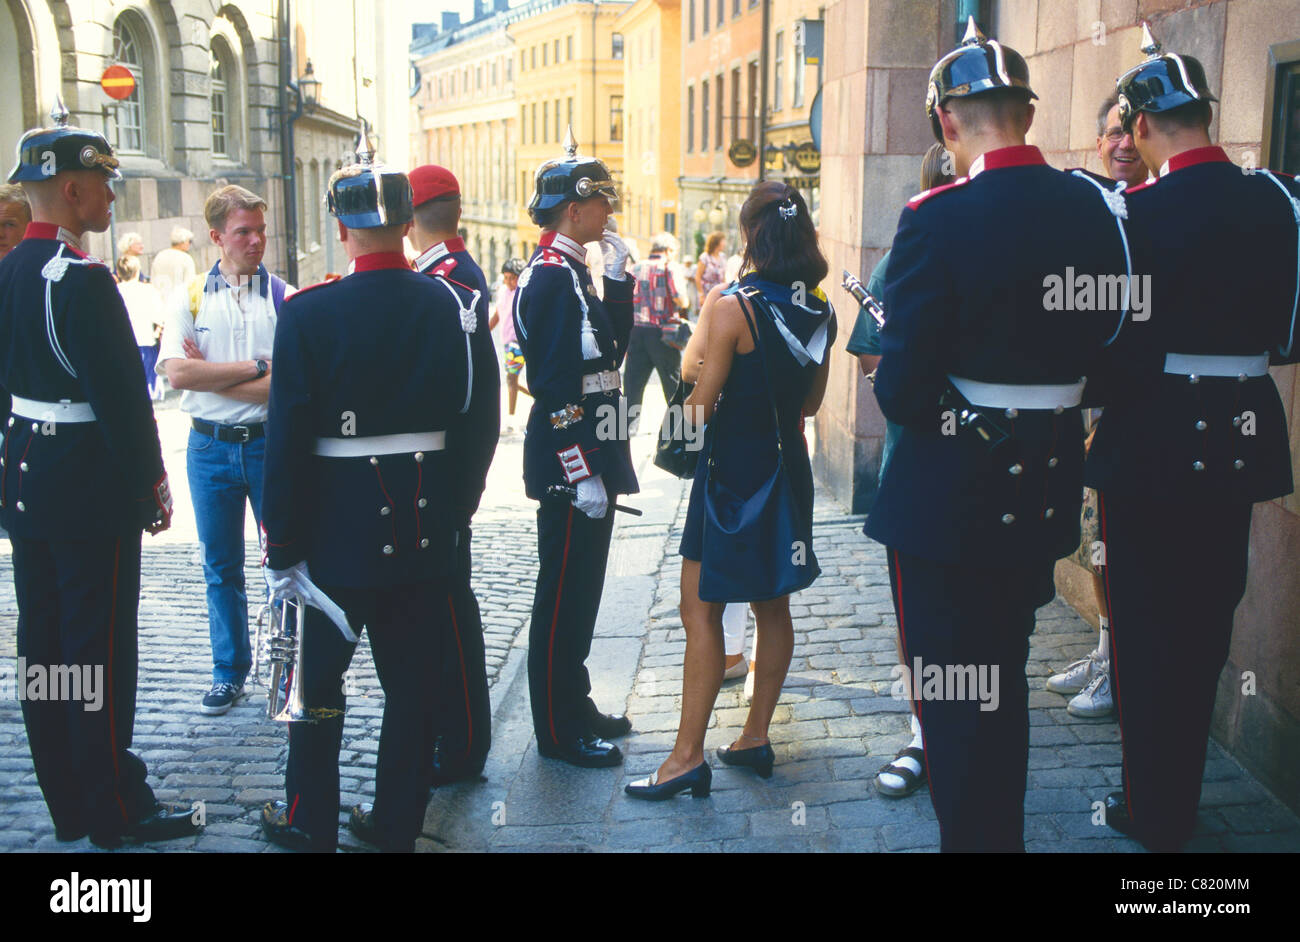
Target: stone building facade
878 56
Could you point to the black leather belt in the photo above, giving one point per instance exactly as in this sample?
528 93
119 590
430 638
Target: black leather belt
234 434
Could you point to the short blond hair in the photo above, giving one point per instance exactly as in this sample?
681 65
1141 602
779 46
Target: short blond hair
226 200
13 193
128 268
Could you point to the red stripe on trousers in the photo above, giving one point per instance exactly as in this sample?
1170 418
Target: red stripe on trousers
464 678
555 618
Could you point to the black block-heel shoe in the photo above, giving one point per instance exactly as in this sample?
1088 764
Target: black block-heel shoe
760 758
699 780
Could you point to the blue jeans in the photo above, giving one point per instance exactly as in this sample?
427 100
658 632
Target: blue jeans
222 475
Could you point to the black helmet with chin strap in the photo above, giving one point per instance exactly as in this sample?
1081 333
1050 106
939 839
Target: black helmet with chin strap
1160 83
978 65
564 179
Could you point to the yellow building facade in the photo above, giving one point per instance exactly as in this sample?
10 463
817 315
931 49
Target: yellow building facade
568 62
652 151
465 120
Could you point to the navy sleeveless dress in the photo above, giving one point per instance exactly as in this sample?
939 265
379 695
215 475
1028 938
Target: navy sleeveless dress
740 439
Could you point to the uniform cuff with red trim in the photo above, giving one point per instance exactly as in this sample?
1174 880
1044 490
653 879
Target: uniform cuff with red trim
574 464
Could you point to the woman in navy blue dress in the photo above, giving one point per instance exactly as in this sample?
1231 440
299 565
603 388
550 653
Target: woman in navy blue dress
782 260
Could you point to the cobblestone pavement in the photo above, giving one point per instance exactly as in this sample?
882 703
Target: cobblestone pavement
835 726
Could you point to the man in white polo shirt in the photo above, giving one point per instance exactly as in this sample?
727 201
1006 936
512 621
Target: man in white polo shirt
216 348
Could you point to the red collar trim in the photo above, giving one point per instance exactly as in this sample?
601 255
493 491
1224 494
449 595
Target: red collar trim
49 230
378 260
554 240
1018 155
455 245
1197 155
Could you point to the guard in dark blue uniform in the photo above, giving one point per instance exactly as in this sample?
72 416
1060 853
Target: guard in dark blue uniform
362 495
982 493
577 437
463 716
81 475
1193 434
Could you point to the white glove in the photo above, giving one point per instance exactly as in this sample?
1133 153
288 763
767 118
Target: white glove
615 252
287 583
592 499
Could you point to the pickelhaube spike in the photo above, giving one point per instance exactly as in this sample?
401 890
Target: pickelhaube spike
973 35
59 113
365 149
570 142
1150 45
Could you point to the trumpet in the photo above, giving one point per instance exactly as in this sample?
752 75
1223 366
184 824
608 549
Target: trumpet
282 649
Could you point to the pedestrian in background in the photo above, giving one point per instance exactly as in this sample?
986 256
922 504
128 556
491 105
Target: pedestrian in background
145 309
784 267
131 244
511 353
216 348
711 268
15 214
656 303
173 267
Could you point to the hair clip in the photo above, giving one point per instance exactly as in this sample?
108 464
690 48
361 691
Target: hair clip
788 209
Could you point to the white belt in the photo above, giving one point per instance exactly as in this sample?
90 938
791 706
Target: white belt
52 411
403 443
1018 396
600 382
1196 364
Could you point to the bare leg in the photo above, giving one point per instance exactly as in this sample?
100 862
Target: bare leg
1099 589
776 635
512 387
701 674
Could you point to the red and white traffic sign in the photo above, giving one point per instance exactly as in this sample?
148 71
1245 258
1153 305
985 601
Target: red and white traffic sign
117 82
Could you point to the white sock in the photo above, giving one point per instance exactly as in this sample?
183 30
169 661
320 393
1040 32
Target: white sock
890 780
1103 641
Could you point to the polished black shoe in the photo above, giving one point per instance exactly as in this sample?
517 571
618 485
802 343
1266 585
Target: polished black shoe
760 758
588 752
1117 814
699 780
361 822
278 830
607 725
163 823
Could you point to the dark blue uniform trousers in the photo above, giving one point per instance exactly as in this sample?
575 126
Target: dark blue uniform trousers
405 624
463 717
77 602
970 614
572 550
1175 572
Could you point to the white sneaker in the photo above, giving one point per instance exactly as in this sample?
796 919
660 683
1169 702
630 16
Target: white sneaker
1078 675
1095 700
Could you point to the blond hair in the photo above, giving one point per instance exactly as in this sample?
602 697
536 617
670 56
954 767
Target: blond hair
128 268
13 193
226 200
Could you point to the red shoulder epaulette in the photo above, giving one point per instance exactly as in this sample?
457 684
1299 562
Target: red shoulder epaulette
920 198
1141 186
329 280
551 258
445 267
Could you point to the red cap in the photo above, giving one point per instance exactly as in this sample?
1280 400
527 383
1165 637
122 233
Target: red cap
431 181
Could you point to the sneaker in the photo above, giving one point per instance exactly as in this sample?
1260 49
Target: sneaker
1095 700
221 698
1078 675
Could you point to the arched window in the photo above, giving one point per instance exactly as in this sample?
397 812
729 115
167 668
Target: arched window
220 96
301 194
129 127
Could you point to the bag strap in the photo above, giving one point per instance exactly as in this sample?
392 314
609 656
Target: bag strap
757 298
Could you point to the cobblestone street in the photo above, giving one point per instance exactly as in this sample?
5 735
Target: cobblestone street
835 726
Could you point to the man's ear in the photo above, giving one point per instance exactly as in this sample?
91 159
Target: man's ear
215 236
951 131
343 230
1029 116
1141 126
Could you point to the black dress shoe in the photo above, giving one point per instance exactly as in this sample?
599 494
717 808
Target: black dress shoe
163 823
278 830
362 823
699 780
759 758
607 725
70 833
588 752
1117 814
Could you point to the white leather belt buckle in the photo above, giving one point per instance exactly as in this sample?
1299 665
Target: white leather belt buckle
600 382
38 411
1196 364
403 443
1018 396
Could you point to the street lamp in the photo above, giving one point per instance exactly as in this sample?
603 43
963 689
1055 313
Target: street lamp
309 89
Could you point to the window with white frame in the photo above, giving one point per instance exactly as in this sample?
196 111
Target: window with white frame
129 113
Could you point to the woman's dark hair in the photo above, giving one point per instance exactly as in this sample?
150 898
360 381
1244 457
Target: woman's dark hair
781 242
